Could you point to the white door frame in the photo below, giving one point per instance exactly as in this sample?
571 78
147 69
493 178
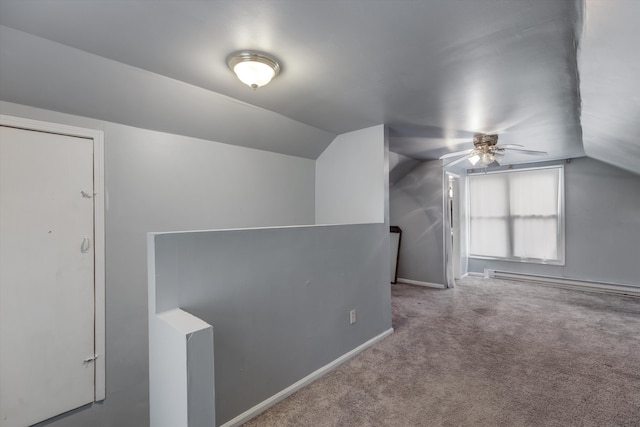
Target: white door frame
98 222
451 251
455 181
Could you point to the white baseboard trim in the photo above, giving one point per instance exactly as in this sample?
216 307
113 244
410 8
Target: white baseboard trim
582 285
266 404
473 274
419 283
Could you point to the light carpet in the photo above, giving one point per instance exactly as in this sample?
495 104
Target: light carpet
486 353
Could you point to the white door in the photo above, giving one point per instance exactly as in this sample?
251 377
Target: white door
46 275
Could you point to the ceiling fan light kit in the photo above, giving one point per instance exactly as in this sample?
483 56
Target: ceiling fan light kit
486 151
253 68
483 140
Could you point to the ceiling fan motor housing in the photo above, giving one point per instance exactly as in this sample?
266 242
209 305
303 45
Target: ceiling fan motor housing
484 140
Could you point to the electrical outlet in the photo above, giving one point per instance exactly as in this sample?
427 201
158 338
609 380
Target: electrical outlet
352 317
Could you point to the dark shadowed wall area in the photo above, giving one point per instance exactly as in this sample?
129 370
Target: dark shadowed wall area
415 205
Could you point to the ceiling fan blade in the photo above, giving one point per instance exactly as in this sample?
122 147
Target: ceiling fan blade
455 154
455 162
511 146
532 152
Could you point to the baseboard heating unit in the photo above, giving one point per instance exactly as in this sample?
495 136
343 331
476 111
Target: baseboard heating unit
559 282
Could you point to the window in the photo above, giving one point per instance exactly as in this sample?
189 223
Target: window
517 215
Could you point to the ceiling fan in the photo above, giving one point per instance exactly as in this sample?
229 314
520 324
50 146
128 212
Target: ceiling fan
486 152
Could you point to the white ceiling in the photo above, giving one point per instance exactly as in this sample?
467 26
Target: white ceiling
434 71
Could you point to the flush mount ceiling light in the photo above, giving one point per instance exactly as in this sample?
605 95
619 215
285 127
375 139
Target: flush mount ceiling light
253 68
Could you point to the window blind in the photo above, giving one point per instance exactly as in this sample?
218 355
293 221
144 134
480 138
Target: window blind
517 215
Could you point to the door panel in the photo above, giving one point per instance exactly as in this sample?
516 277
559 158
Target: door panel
46 275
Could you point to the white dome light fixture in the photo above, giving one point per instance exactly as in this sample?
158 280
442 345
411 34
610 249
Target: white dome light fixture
253 68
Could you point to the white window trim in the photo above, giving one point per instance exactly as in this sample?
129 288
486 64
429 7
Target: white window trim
561 217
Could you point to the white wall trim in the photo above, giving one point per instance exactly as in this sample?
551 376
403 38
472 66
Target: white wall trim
99 242
473 274
419 283
266 404
582 285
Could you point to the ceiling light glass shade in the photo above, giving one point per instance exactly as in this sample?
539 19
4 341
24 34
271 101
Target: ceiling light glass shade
487 158
255 69
483 158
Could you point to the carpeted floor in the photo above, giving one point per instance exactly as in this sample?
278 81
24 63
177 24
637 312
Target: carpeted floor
487 353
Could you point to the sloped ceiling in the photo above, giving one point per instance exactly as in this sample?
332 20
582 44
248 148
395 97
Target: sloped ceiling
610 82
45 74
434 71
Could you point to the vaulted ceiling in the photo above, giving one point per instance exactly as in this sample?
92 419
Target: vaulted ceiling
552 75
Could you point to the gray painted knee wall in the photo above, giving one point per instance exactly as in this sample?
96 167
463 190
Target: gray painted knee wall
278 299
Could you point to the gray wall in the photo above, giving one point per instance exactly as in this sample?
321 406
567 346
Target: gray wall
155 182
350 178
278 300
415 205
602 207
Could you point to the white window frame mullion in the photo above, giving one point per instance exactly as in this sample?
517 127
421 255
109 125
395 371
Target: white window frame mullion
561 236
